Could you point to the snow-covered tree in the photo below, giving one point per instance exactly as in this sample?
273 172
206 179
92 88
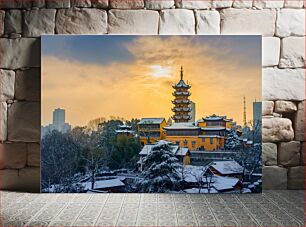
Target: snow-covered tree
233 141
161 170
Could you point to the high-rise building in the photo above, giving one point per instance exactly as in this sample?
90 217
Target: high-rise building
181 101
257 111
58 123
193 111
58 118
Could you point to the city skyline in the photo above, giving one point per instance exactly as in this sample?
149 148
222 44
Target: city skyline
134 78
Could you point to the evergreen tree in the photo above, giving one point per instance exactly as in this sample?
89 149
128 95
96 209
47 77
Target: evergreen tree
233 141
161 170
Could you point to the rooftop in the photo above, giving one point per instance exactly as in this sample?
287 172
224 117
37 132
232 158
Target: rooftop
182 125
151 121
227 167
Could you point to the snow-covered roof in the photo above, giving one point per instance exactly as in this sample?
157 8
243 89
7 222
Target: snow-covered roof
213 128
182 125
104 184
150 121
227 167
211 136
124 131
225 183
182 83
213 118
182 151
148 148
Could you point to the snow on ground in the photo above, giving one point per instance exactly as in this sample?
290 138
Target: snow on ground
202 190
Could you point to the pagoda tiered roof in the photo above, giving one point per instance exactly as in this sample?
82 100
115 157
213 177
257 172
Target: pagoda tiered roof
181 101
184 93
181 109
181 84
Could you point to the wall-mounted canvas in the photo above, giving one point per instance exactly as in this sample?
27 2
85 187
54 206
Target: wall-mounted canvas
151 114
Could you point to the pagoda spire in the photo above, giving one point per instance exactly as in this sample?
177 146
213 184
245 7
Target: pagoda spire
181 72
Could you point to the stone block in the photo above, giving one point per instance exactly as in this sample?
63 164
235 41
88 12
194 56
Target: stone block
15 4
33 154
193 4
126 4
27 86
293 52
177 21
267 107
81 21
269 154
13 21
299 122
99 3
248 21
290 22
274 177
277 129
222 3
159 4
296 177
208 22
80 3
20 53
270 51
3 121
25 180
283 84
39 22
39 3
2 15
289 154
303 157
285 107
262 4
133 22
293 4
7 85
13 155
55 4
24 122
242 4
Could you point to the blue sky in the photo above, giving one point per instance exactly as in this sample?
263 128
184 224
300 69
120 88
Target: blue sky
103 50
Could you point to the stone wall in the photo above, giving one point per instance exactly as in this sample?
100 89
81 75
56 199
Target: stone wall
281 22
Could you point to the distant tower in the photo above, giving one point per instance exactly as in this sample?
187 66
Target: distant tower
58 117
244 113
257 112
193 111
181 102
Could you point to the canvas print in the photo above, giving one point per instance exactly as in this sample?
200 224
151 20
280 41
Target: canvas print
151 114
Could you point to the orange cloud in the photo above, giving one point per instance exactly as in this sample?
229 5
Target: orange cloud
142 88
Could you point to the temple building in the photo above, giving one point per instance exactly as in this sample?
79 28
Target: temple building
207 134
181 101
151 130
125 130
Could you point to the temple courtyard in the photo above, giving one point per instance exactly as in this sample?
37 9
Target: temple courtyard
271 208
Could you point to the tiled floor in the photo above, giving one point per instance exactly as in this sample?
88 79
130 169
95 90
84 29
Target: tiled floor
272 208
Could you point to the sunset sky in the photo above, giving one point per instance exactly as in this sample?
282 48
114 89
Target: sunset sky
131 76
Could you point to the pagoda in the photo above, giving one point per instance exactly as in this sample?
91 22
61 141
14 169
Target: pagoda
181 102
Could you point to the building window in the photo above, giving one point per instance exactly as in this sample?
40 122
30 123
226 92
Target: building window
193 143
211 140
185 142
203 139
